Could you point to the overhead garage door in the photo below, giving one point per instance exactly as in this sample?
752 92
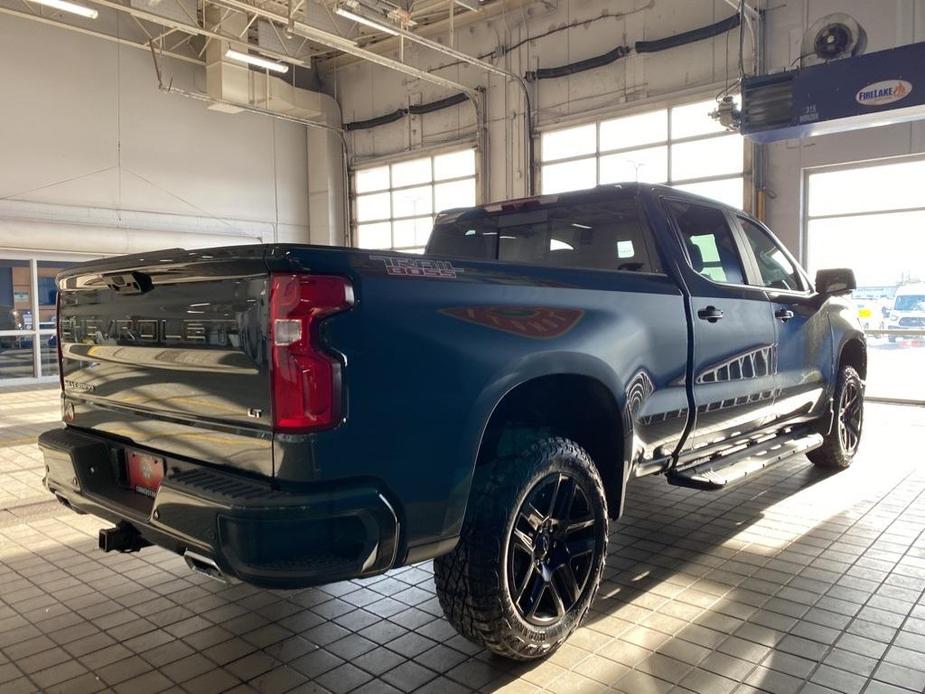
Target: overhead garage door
680 145
871 217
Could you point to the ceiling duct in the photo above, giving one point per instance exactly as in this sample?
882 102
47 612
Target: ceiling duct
229 82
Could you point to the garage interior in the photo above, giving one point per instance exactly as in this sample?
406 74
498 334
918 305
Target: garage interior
136 125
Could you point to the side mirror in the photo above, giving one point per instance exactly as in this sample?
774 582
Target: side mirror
836 281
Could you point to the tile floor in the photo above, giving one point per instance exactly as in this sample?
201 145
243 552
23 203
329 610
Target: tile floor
795 581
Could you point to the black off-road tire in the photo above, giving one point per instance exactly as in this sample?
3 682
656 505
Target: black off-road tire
837 452
473 580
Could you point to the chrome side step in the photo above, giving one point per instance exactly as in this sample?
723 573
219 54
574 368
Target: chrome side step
721 471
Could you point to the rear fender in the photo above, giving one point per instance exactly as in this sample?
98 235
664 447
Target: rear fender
530 368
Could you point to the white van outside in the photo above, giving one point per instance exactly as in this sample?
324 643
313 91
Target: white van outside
908 312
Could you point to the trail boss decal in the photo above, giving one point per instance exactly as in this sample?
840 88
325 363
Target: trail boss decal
883 93
537 322
418 267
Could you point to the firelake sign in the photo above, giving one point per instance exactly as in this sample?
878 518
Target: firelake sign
882 93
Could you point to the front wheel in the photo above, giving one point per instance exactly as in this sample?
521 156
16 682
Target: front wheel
841 444
530 555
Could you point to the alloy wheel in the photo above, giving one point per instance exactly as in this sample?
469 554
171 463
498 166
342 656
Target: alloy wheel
850 417
552 549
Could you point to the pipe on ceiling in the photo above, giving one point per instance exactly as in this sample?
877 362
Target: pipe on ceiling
494 69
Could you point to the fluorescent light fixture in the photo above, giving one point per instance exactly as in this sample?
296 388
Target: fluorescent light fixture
71 7
256 60
360 19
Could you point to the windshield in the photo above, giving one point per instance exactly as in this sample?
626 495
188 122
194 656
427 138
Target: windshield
910 302
605 234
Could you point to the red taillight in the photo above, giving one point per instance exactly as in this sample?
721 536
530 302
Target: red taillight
305 378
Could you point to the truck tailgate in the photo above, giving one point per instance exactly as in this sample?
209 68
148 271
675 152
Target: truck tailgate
168 350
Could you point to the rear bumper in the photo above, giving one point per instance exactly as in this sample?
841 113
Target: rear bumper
263 535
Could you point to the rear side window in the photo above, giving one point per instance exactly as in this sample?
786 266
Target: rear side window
709 241
776 269
605 235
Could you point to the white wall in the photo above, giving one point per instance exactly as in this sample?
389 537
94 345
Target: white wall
366 91
91 153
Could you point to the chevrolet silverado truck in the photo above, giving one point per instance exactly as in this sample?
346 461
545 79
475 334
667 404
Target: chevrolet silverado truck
290 415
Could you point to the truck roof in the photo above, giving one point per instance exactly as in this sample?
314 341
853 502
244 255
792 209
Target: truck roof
632 187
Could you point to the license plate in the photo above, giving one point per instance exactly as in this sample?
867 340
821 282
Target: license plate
145 472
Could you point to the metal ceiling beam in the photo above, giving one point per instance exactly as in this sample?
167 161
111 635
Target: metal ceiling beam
97 34
440 28
331 40
200 31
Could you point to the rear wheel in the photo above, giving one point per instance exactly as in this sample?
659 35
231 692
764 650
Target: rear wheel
531 552
841 444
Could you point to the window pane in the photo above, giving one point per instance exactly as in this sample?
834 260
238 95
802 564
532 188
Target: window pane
412 202
15 295
412 232
709 242
374 206
898 187
775 267
571 175
727 190
632 131
701 158
16 357
454 165
571 142
694 119
407 173
645 165
374 235
48 350
368 180
454 194
48 292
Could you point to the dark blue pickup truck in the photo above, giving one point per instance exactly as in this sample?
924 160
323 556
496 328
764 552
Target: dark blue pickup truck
291 415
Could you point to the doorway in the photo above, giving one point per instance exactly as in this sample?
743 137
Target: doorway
870 216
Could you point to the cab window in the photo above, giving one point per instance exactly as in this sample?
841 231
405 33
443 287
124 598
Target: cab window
606 234
777 270
709 242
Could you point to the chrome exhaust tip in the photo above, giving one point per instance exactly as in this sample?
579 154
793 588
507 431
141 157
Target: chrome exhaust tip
205 565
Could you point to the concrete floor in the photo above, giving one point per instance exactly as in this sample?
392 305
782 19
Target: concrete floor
795 581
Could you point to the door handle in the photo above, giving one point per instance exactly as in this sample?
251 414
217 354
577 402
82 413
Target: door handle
710 313
783 314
